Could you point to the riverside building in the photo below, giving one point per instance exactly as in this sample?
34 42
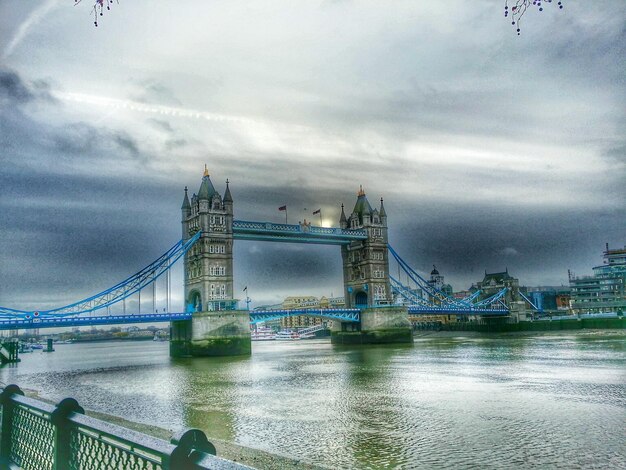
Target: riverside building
605 290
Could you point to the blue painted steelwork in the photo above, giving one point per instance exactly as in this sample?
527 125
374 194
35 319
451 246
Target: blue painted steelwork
407 293
470 298
438 297
83 320
497 297
438 303
489 312
295 233
537 309
114 294
343 314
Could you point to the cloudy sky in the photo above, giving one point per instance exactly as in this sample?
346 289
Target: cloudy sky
491 150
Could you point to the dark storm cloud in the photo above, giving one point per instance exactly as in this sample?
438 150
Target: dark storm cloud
90 142
536 246
12 88
89 231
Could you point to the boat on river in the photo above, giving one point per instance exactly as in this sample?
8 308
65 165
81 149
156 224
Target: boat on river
287 335
263 334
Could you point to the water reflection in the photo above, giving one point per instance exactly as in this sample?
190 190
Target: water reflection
545 401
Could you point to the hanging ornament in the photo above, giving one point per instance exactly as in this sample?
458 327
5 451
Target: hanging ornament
98 8
519 7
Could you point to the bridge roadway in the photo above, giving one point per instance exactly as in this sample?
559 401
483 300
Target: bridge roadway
345 315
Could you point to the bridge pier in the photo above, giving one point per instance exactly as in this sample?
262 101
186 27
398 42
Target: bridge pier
217 333
379 325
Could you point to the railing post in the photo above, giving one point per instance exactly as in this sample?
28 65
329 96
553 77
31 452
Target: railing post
7 420
62 431
186 443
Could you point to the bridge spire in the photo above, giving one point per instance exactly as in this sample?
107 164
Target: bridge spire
206 191
343 222
382 209
227 195
186 207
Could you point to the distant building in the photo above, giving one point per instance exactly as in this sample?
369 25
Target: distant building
605 290
436 281
550 298
493 283
304 302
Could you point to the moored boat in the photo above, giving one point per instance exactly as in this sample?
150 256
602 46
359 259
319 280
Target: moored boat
287 336
263 334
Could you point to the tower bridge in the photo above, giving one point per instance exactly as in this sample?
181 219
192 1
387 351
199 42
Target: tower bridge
212 323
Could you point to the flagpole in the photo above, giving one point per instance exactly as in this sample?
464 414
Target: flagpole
321 222
286 215
245 289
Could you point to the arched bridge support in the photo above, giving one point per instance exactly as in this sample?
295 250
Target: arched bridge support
379 325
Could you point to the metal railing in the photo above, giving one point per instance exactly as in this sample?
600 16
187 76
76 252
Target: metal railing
39 436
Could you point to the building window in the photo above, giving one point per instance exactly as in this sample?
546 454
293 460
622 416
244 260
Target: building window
379 293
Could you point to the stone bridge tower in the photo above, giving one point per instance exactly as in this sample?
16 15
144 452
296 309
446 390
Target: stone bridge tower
209 263
366 263
217 328
366 281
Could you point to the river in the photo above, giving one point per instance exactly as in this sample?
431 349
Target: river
462 402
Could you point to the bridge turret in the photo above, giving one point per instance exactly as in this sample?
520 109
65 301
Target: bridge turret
343 222
185 213
228 207
366 263
216 327
382 213
209 264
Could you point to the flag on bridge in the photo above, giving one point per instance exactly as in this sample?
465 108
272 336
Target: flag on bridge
284 209
319 211
245 289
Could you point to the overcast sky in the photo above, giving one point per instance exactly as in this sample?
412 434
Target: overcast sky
491 150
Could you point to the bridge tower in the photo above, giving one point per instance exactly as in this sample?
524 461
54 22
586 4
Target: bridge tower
366 280
366 262
217 328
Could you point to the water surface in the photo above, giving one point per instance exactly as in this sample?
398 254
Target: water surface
463 402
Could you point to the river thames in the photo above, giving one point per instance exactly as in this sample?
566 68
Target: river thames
461 402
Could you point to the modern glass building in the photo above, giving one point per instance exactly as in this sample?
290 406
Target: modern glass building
605 290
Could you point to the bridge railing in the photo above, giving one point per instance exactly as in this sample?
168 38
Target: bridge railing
37 435
247 225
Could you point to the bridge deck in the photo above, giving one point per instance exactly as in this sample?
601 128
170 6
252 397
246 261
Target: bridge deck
19 324
485 312
341 314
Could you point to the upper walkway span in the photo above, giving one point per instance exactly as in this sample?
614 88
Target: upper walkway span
297 233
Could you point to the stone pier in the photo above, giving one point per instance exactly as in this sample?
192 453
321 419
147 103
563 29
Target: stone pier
379 325
219 333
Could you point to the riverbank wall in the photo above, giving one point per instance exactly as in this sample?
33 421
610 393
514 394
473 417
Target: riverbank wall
541 325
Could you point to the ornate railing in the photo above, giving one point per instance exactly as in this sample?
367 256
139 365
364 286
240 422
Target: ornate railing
39 436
